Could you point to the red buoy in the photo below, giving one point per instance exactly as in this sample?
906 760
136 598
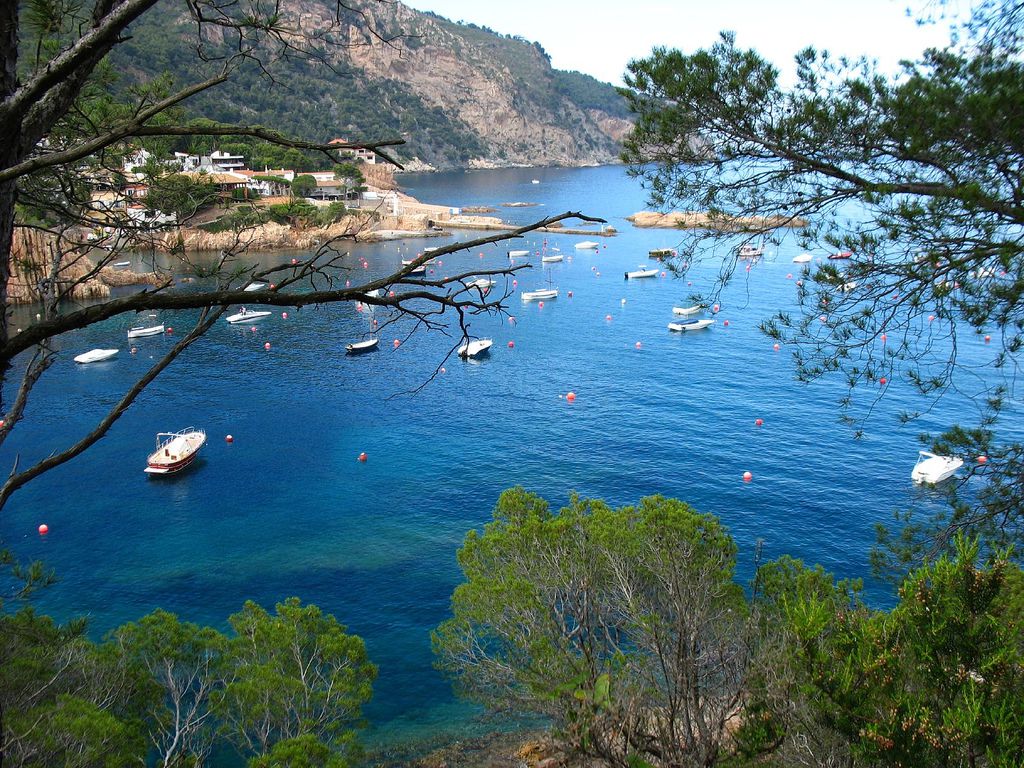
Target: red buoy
608 318
284 315
638 345
758 422
883 381
396 343
295 261
362 457
511 344
775 347
267 346
747 476
229 439
789 276
983 459
169 329
930 318
987 338
726 322
540 305
44 529
715 308
515 283
571 397
884 338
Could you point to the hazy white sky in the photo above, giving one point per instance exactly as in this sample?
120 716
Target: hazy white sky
598 37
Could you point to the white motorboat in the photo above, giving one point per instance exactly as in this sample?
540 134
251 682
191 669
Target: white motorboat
247 315
474 348
481 283
540 294
931 468
553 258
415 270
643 271
661 253
122 264
687 310
691 325
518 254
803 258
95 355
255 287
151 330
747 251
358 347
175 451
587 245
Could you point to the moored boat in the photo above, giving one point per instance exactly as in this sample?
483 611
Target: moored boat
643 271
248 314
553 258
518 254
415 270
540 293
803 258
840 255
175 451
747 251
150 330
481 283
474 348
691 325
255 287
587 245
932 468
693 310
95 355
358 347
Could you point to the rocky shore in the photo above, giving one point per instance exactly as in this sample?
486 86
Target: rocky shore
720 222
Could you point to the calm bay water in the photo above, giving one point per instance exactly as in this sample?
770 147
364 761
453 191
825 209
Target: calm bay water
288 510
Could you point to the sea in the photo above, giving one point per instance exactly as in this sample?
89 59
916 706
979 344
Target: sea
287 509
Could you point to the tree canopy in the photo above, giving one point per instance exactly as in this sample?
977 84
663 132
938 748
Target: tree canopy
920 175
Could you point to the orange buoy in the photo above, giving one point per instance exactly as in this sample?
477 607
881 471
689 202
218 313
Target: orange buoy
362 456
987 338
229 439
511 345
638 345
884 338
748 476
571 397
758 422
267 346
983 459
43 529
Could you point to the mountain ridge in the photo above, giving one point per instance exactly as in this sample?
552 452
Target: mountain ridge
460 95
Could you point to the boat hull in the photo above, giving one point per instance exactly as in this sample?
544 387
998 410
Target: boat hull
539 295
684 326
245 317
175 452
475 348
153 330
96 356
360 347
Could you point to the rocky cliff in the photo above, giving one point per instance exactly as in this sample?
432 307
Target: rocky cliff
460 96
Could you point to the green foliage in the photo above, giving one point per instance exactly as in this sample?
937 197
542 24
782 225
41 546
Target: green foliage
179 195
292 674
303 185
592 616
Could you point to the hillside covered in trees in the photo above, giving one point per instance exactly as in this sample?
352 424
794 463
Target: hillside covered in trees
460 95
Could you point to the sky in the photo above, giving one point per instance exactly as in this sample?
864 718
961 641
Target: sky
598 37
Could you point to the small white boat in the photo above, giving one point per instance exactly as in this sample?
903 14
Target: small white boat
518 254
431 249
931 468
553 258
248 314
691 325
535 181
587 245
255 287
151 330
175 451
643 271
415 270
747 251
95 355
122 264
540 294
803 258
358 347
376 293
474 348
481 283
687 310
661 253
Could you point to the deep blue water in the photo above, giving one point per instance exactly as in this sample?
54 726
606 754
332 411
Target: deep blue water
288 510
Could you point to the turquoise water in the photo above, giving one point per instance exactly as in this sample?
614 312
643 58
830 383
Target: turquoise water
288 510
